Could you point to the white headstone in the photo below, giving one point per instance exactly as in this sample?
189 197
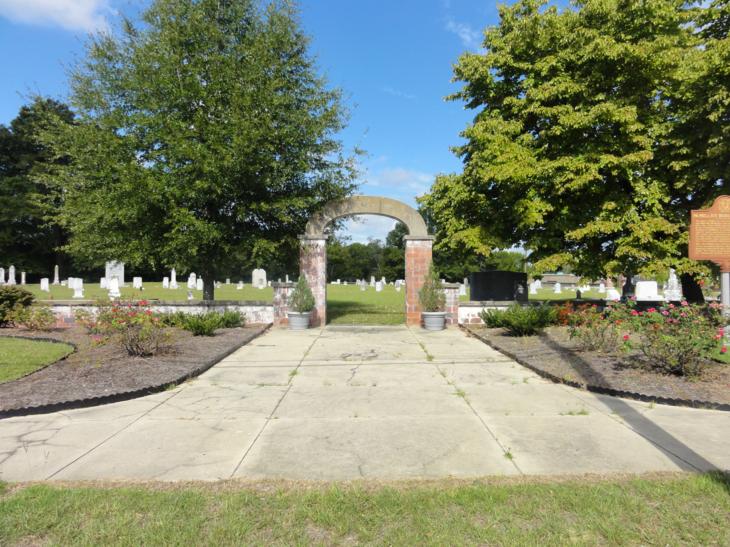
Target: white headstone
199 284
673 292
287 278
228 280
339 282
239 286
137 282
363 286
466 281
78 288
383 281
533 287
397 288
538 283
378 286
44 285
557 289
602 287
462 289
190 295
165 282
192 280
372 280
11 276
613 295
344 283
56 275
647 290
173 279
64 283
2 276
22 278
114 268
113 284
103 284
258 278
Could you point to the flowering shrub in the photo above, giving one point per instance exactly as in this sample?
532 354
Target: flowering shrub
138 330
676 339
595 330
33 317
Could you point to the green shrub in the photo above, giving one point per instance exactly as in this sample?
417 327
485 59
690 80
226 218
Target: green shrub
520 320
10 298
432 295
33 317
133 324
204 324
301 299
493 319
232 319
594 330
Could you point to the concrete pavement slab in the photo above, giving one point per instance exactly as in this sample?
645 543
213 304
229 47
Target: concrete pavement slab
375 448
175 449
523 399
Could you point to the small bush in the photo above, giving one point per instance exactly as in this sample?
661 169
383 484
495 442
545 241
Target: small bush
137 329
33 317
520 320
594 330
232 319
11 298
493 319
204 324
432 295
301 299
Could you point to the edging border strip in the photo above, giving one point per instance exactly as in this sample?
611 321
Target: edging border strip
705 405
127 395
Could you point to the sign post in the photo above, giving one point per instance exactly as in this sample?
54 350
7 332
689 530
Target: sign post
709 239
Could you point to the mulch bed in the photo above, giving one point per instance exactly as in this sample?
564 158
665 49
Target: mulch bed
96 374
554 355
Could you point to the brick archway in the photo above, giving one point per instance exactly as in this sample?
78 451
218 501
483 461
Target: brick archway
313 250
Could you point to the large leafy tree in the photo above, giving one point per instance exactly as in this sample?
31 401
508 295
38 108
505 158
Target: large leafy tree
205 139
578 150
29 238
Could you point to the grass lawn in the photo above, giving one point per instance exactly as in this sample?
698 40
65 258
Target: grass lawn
348 305
668 510
21 357
154 291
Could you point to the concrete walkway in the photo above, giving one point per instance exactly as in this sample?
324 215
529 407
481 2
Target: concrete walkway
373 402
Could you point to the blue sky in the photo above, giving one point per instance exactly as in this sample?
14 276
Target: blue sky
393 60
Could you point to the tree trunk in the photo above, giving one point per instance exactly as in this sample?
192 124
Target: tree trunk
628 289
209 285
691 289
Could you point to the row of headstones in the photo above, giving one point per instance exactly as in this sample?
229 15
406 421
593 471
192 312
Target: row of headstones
643 290
11 277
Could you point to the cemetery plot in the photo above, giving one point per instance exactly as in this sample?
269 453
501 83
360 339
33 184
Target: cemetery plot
154 291
349 305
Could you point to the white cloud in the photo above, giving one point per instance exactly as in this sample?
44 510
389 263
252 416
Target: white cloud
471 38
397 93
85 15
400 181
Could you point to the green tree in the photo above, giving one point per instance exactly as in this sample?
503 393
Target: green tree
574 149
205 139
395 236
29 238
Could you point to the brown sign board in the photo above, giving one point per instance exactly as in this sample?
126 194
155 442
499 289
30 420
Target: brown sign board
709 233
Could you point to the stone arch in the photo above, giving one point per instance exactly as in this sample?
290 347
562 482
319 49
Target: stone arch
313 250
367 205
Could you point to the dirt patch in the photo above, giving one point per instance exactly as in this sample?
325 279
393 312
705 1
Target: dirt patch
555 356
96 373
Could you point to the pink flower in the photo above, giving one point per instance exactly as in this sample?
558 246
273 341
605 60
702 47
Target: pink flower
651 310
684 303
665 313
721 331
634 312
718 336
626 337
723 349
671 306
633 298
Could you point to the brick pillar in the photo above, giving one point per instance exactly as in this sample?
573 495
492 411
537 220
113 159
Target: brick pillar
282 291
313 265
418 260
451 291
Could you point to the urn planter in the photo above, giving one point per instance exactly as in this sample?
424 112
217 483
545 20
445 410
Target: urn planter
434 320
299 321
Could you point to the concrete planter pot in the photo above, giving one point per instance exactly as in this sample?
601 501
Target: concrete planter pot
434 320
299 321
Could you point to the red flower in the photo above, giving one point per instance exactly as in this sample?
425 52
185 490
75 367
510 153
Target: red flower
634 312
723 349
651 310
626 337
